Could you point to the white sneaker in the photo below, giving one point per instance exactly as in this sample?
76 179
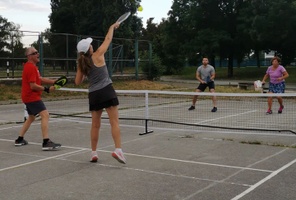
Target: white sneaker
94 156
118 155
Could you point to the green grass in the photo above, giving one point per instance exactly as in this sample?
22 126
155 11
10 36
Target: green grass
242 73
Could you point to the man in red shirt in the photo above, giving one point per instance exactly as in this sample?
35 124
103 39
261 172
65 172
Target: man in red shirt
31 96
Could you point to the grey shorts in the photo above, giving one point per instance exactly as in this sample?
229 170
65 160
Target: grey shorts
34 108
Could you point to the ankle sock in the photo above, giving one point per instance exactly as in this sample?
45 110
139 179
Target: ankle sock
20 138
45 140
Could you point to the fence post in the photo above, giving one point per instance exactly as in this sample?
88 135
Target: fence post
41 66
150 58
137 58
7 70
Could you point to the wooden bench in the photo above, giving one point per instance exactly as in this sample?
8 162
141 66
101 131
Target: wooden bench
245 85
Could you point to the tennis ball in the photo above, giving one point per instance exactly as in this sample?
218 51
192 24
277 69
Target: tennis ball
140 8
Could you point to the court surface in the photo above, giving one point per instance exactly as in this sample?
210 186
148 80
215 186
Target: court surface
169 163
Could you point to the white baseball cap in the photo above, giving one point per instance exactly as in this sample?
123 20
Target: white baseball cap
83 45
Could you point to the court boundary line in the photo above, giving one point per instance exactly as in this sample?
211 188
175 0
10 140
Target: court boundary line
234 174
158 158
262 181
37 161
161 173
226 116
80 150
214 182
123 167
74 119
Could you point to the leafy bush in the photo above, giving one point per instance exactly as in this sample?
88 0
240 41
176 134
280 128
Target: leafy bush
154 69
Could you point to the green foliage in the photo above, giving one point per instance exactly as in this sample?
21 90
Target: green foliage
153 69
10 35
228 29
89 18
93 17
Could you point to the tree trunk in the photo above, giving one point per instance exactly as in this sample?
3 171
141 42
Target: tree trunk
213 63
257 54
230 66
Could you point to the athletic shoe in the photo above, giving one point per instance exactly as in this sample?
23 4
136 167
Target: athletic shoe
50 145
214 109
268 112
280 109
118 155
20 142
94 156
191 108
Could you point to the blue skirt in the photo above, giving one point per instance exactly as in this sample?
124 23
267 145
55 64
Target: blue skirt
277 87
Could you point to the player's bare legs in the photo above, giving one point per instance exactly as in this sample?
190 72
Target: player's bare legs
269 103
95 128
214 99
27 125
194 100
280 100
44 123
114 122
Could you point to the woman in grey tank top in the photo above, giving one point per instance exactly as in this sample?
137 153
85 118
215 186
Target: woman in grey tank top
91 64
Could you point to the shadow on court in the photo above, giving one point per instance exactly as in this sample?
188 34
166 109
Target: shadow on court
166 164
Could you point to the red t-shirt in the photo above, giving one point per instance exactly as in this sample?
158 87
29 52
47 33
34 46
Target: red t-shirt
30 75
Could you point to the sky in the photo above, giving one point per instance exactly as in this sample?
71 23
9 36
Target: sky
32 15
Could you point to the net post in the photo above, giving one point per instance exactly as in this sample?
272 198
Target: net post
146 114
41 64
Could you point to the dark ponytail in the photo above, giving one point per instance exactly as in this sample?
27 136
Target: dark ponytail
84 62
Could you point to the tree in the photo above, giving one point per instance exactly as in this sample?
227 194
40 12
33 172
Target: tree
178 32
4 35
9 37
229 29
89 18
10 44
270 25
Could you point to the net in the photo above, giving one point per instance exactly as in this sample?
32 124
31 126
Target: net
236 111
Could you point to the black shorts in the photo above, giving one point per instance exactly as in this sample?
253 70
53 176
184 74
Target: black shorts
202 86
34 108
103 98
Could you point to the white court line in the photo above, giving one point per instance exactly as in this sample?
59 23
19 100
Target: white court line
33 124
253 187
195 162
234 174
37 161
6 128
162 158
21 154
147 171
227 116
158 173
180 129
